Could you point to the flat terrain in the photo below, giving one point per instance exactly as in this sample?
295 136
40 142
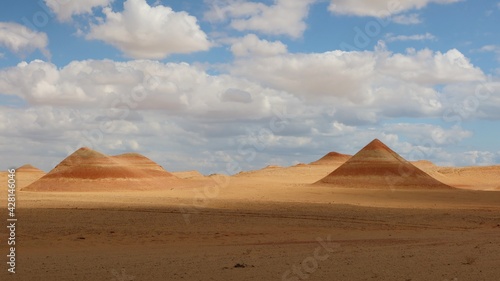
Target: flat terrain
253 227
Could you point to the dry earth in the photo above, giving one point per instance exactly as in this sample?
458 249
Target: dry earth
255 227
270 224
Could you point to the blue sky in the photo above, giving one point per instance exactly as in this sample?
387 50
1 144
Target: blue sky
225 85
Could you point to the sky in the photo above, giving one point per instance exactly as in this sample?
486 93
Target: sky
229 85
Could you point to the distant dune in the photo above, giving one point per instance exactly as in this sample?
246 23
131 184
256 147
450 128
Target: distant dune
89 170
375 166
188 174
27 174
28 168
332 158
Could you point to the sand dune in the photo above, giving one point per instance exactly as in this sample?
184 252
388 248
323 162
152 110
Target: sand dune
188 174
89 170
378 166
474 178
256 225
28 168
332 158
27 174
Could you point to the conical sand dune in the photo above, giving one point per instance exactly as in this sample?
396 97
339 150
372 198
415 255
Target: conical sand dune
89 170
377 166
26 174
28 168
332 158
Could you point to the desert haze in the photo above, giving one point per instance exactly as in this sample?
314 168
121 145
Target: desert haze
370 216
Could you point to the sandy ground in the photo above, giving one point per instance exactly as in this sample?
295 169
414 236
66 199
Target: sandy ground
261 225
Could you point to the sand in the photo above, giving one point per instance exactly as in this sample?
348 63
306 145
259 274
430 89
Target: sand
188 174
173 235
89 170
332 158
27 174
269 224
378 166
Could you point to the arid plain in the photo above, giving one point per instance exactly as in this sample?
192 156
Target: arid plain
371 216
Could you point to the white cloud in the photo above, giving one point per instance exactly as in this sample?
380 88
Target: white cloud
357 76
492 49
466 158
417 37
470 100
251 45
146 32
336 73
380 8
364 87
21 40
337 129
431 68
430 134
174 88
479 157
284 17
2 55
65 9
407 19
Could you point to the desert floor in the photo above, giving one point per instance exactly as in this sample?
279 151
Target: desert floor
253 227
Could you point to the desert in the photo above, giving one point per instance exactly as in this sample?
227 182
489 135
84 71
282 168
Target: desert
277 223
250 140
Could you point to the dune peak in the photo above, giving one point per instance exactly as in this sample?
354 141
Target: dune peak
29 168
332 157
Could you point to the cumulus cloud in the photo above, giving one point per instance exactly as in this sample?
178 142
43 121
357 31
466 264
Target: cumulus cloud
284 17
175 88
336 73
363 87
21 40
251 45
356 76
146 32
431 68
277 105
470 100
209 144
65 9
430 134
479 157
380 8
236 95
